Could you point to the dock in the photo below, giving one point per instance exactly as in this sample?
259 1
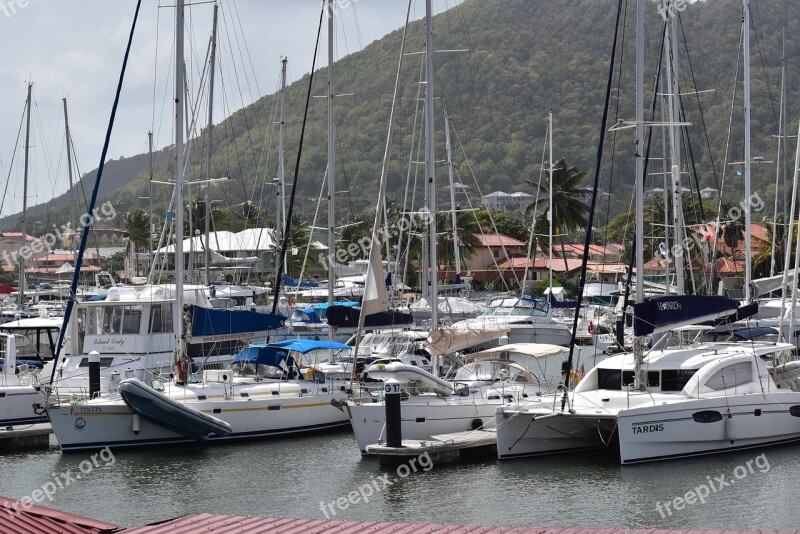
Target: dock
25 437
442 449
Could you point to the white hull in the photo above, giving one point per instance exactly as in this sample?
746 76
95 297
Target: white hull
16 405
420 421
262 412
660 433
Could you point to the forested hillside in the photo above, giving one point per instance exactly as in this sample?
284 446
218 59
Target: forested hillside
507 63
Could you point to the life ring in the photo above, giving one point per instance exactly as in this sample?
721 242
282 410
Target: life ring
591 327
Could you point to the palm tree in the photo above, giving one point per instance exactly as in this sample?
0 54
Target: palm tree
570 211
468 231
136 226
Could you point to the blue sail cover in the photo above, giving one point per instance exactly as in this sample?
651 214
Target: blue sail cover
291 282
555 303
218 322
666 313
263 354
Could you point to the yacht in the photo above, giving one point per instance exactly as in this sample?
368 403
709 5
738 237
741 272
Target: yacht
18 391
527 318
466 401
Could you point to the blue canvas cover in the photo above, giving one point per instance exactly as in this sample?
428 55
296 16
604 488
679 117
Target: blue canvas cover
291 282
214 322
664 313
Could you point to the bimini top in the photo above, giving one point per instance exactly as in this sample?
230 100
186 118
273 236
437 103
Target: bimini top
274 353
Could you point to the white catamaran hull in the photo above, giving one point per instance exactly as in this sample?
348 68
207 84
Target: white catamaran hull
707 426
16 406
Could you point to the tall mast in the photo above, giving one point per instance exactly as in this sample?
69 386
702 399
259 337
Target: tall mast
747 234
151 226
69 166
639 132
671 53
282 150
781 158
430 169
209 130
453 214
550 207
179 207
22 282
331 166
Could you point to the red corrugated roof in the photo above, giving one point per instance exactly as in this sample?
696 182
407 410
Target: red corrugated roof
17 234
496 240
15 517
229 524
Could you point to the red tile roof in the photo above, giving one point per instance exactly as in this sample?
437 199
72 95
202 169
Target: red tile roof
594 250
17 517
726 265
84 268
67 257
497 240
229 524
559 264
17 234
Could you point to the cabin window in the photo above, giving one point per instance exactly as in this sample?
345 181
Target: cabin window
609 379
132 319
731 376
160 318
653 379
675 379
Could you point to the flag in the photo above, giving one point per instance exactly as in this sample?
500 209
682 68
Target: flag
739 172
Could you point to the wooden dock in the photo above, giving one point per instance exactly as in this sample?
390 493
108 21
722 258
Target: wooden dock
442 449
25 437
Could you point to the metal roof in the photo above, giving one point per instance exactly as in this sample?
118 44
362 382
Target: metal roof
225 524
17 518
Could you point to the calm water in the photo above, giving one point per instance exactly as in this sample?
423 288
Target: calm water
290 477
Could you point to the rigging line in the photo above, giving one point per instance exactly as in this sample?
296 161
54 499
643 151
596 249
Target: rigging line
532 240
457 71
614 135
718 226
313 224
598 168
155 65
756 27
243 110
234 141
85 235
478 187
13 157
358 26
699 106
341 165
282 255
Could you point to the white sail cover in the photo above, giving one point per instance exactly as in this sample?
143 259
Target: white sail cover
447 340
375 298
534 350
219 259
762 286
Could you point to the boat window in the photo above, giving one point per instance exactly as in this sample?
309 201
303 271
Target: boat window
609 379
731 376
104 362
675 379
132 319
156 319
628 378
653 379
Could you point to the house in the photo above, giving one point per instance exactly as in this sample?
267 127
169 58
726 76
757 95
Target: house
494 249
14 246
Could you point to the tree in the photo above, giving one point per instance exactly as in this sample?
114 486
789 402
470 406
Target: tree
503 224
570 211
136 226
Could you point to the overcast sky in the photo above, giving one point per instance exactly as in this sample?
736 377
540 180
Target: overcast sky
74 49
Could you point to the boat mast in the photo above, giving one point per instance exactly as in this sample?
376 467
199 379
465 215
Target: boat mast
671 53
638 349
179 207
151 226
430 169
747 233
331 168
22 282
209 130
781 159
69 166
281 152
550 209
453 214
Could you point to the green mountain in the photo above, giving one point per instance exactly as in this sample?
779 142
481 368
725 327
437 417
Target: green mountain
522 58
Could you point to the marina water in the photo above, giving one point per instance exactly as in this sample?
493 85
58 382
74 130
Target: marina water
305 476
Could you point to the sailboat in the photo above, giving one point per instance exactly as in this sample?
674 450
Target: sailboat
216 405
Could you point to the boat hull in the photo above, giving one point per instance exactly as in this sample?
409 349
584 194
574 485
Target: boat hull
16 406
692 428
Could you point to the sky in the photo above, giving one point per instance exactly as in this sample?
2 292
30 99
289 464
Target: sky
74 49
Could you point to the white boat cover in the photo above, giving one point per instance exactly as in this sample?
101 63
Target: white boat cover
447 340
535 350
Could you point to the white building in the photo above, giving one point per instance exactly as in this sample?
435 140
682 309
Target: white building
507 202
